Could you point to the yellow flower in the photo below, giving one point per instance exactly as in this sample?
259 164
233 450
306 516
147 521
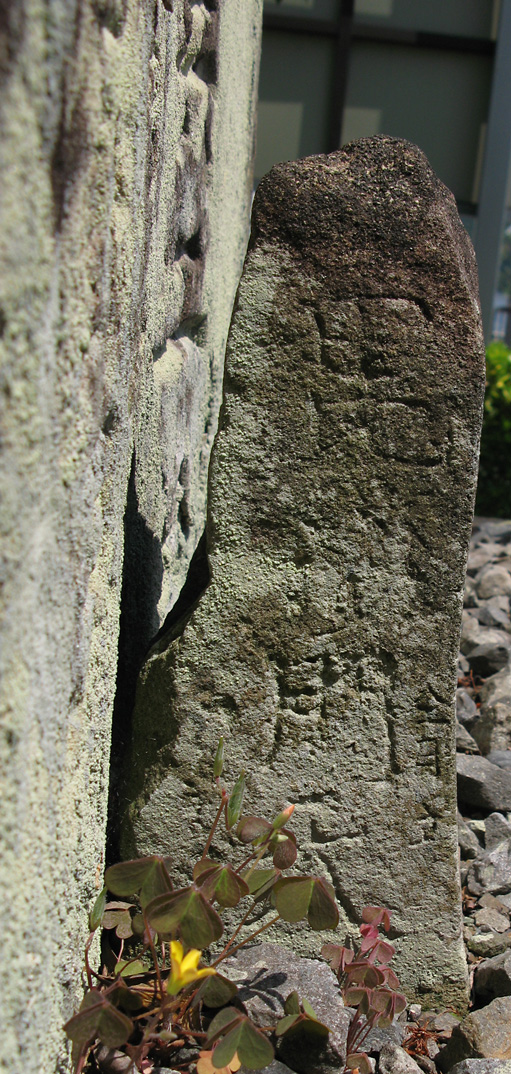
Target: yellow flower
184 968
205 1065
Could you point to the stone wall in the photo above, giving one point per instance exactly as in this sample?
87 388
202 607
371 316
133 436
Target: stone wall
127 133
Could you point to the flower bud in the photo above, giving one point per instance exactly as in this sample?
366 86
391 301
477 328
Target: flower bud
283 817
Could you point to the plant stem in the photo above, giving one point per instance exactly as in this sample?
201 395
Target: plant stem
236 931
260 854
358 1033
141 1051
245 863
154 955
213 827
186 1003
84 1051
156 1012
87 964
243 942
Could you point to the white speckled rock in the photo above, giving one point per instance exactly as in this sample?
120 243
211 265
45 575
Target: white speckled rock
493 581
266 974
483 1034
483 784
482 1066
394 1060
493 977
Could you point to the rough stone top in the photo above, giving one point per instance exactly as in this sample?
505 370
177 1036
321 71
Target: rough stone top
372 220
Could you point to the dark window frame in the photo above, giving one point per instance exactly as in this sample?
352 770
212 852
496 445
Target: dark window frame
346 29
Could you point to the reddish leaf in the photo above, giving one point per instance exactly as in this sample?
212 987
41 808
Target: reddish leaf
251 828
332 953
224 1020
390 978
188 912
220 882
364 973
252 1047
146 877
370 936
399 1003
338 957
117 916
323 912
285 853
98 1018
292 1003
369 930
300 1018
203 868
384 951
388 1003
297 897
216 991
261 881
377 915
358 997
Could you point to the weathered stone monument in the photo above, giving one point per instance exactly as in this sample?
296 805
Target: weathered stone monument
340 504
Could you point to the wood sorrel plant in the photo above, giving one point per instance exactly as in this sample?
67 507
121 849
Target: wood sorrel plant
367 983
156 994
156 991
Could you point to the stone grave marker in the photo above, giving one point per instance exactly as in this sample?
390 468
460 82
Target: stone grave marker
340 507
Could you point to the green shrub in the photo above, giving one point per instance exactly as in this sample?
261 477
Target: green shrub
494 485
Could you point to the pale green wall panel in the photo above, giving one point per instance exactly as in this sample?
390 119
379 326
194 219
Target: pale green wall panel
317 9
438 100
466 18
294 98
